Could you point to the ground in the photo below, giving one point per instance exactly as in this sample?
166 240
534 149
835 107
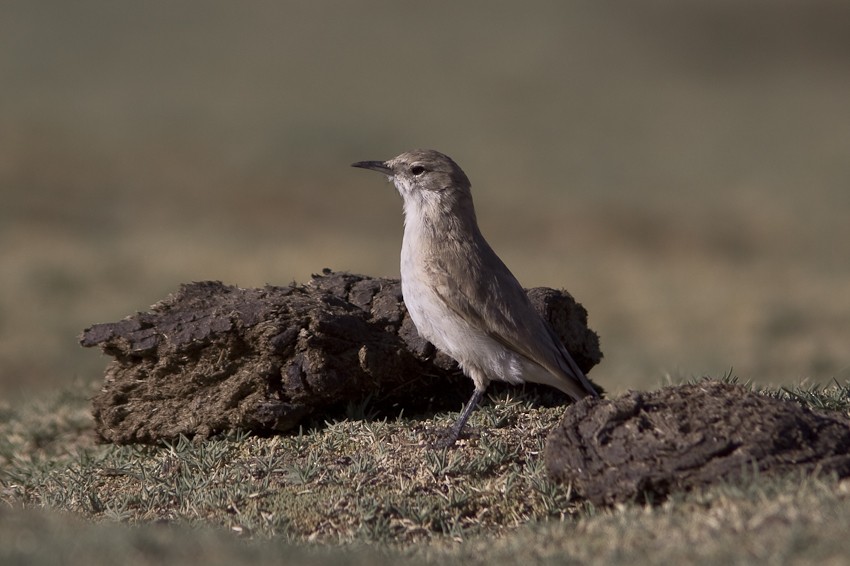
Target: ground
359 481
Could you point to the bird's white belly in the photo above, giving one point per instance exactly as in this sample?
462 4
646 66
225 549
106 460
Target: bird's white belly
481 357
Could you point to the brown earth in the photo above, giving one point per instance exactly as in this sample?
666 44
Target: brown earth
644 445
214 357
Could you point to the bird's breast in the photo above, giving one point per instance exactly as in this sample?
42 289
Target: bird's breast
423 279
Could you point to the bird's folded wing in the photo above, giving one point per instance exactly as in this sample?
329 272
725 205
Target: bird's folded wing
491 299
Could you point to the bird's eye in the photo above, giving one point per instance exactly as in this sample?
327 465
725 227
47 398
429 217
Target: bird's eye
417 170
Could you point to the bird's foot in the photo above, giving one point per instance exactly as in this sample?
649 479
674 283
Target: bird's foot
446 439
451 436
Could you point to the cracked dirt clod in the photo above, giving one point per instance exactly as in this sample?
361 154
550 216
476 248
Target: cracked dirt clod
644 445
213 357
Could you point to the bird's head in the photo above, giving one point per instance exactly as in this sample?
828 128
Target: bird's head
424 176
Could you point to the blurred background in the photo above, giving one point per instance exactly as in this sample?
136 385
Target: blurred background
682 168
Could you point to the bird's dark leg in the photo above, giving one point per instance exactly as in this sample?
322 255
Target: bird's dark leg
454 433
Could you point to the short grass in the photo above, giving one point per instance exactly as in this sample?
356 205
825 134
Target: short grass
357 488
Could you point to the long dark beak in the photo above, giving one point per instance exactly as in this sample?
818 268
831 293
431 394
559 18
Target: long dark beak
379 166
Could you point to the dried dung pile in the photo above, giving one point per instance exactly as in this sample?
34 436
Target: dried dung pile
644 445
214 357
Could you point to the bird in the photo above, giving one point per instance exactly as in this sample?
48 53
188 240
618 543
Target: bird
461 297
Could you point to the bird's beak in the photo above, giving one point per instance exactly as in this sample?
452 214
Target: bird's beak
379 166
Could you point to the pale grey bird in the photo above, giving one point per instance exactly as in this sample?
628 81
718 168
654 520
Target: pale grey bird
461 296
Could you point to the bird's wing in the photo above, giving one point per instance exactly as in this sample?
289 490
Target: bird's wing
490 297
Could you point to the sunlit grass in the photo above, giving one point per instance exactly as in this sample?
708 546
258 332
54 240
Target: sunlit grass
379 483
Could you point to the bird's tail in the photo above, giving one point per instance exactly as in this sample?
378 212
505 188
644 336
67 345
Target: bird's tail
570 379
586 387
